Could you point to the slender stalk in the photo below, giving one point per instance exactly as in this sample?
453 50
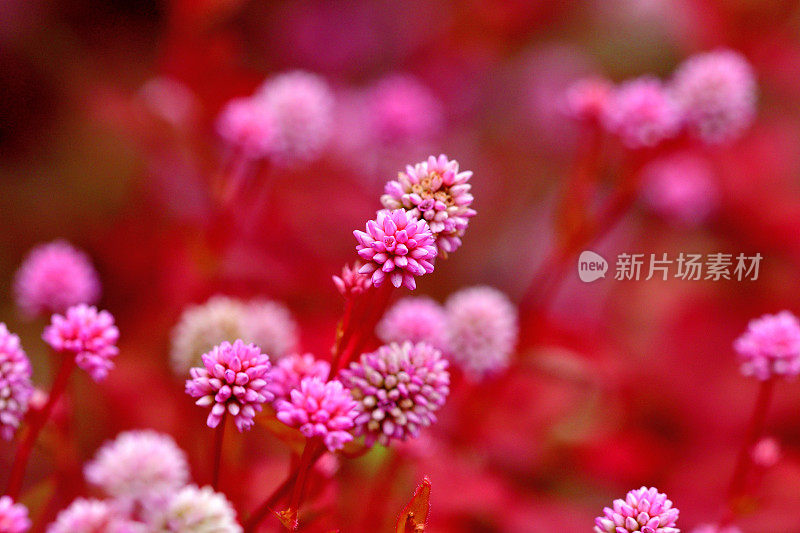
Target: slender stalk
219 435
36 424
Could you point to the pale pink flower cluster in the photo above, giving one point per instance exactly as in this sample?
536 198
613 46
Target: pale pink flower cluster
401 109
415 319
16 388
642 113
287 373
643 510
770 347
93 516
352 282
13 516
681 188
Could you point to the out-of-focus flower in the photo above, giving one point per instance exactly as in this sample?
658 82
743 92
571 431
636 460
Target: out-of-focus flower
770 347
644 510
435 191
195 510
399 387
87 333
234 380
248 126
415 319
587 98
402 109
92 516
766 452
320 409
13 516
266 323
16 388
680 187
642 113
54 277
352 282
482 330
291 370
170 100
138 465
398 245
717 94
713 528
301 105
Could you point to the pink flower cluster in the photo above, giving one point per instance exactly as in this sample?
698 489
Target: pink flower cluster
288 372
770 347
414 319
352 282
88 334
234 381
643 510
642 113
401 109
15 383
13 516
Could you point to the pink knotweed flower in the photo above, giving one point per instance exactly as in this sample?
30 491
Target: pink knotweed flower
322 409
642 113
15 383
770 347
717 94
53 277
352 282
587 98
402 109
87 333
399 388
482 330
437 192
301 104
398 245
680 187
269 325
234 380
137 466
92 516
195 510
291 370
13 516
645 510
766 452
247 125
415 319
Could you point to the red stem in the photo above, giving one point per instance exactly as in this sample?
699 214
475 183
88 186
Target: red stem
219 435
36 424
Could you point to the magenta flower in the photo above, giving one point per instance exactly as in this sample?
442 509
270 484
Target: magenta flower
13 516
291 370
398 388
413 319
680 188
642 113
402 109
248 126
717 94
234 380
92 516
320 409
770 347
435 191
482 330
15 383
398 245
645 510
53 277
352 282
587 98
88 334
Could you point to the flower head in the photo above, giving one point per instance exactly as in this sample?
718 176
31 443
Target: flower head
195 510
91 516
587 98
645 510
234 380
53 277
269 325
301 105
137 465
398 245
15 383
717 94
87 333
402 109
352 282
680 187
770 347
419 319
320 408
399 387
437 192
482 330
248 126
291 370
642 113
13 516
